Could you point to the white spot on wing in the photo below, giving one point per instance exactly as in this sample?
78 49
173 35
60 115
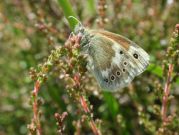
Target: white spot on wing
117 59
105 73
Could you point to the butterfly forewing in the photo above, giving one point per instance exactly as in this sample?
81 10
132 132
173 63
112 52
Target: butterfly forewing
123 41
139 57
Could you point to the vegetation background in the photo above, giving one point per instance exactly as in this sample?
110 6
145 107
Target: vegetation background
30 30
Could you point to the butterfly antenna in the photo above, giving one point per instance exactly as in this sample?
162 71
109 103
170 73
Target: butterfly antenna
74 18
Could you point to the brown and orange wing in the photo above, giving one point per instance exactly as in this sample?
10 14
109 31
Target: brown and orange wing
123 41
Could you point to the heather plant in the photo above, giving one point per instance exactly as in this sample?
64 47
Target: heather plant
37 51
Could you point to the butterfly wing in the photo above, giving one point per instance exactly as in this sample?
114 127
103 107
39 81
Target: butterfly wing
115 60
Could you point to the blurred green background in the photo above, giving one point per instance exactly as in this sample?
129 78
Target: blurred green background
30 29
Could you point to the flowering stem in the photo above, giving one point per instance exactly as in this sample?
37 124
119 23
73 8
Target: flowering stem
94 128
35 108
60 120
166 94
87 110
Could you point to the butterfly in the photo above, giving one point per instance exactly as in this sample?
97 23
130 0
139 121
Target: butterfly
113 59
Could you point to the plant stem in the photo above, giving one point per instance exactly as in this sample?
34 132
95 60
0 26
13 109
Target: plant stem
166 94
87 110
75 40
35 108
68 11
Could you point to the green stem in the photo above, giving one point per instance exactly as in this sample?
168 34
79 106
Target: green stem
68 11
91 6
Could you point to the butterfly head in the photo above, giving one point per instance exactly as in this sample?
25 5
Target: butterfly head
79 30
84 35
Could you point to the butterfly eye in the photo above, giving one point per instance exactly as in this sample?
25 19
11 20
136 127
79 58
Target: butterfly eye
112 77
124 70
135 55
118 73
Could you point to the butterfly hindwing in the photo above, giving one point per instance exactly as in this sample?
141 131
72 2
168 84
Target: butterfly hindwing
115 60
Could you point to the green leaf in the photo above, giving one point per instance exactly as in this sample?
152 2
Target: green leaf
177 81
112 104
157 70
68 11
91 6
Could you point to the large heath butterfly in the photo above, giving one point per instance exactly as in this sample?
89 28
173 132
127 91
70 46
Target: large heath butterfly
113 59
